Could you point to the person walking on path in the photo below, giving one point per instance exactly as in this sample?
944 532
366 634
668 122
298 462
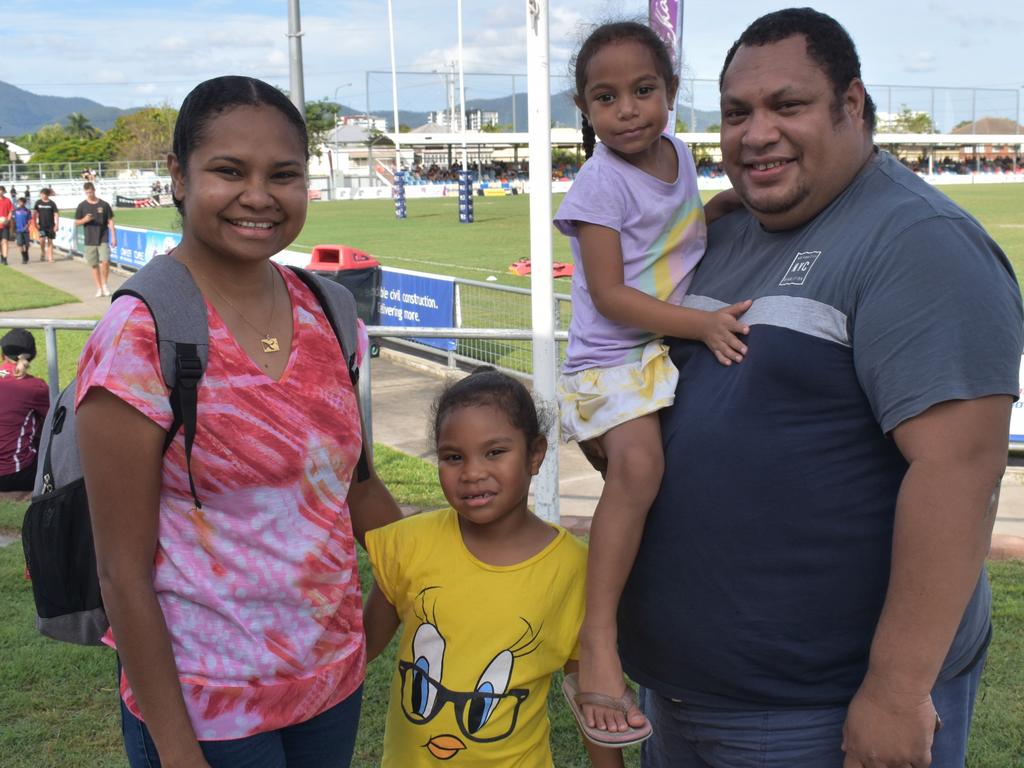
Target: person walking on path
46 217
97 218
810 588
22 222
6 211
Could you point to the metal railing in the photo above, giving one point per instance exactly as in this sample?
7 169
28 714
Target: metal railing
50 328
523 335
494 307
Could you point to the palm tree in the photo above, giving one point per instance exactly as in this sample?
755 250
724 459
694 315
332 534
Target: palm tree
79 127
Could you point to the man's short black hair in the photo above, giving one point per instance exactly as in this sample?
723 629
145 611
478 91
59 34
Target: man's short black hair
828 45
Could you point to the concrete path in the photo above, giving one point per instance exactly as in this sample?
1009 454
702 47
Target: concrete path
403 389
69 275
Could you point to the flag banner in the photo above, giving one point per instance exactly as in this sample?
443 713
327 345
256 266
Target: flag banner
666 19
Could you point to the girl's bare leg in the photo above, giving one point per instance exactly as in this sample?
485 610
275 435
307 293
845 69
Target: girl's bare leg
632 478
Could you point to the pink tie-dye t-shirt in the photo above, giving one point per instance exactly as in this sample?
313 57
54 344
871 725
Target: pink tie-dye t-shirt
259 588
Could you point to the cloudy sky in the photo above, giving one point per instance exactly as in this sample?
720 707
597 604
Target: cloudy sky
126 54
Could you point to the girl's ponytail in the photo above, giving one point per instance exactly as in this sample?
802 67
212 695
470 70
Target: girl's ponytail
589 138
21 366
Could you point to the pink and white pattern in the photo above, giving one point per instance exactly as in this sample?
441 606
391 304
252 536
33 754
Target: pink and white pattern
260 587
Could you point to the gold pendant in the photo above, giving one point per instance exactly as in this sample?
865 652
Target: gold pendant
270 344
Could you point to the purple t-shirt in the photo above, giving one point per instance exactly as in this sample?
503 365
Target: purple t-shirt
663 235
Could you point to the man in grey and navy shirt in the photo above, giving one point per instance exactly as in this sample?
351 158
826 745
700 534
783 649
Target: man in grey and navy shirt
810 588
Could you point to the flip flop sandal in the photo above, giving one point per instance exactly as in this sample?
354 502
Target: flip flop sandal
576 699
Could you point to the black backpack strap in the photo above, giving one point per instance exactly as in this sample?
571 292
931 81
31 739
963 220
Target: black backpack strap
58 414
340 308
185 407
178 308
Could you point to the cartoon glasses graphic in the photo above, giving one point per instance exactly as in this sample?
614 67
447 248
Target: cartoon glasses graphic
423 698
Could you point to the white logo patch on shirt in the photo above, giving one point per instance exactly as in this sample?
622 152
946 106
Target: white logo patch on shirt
800 268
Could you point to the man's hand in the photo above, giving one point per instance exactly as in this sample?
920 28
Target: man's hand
724 202
720 333
889 729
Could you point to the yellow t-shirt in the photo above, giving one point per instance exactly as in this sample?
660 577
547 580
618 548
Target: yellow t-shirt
479 644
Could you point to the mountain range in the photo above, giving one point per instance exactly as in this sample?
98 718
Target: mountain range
564 113
24 112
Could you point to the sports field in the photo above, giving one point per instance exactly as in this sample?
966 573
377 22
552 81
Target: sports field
433 240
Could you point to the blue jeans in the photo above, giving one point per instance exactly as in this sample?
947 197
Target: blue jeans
686 736
325 741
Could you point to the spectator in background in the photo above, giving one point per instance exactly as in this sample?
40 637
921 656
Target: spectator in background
97 217
6 209
24 401
22 220
46 217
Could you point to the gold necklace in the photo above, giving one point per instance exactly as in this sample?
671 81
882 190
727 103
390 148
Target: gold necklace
270 343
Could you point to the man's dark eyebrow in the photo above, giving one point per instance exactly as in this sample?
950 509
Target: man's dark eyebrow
781 93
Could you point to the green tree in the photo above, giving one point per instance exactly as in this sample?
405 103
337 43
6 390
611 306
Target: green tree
681 126
501 128
72 150
912 122
321 117
713 128
143 135
45 137
376 138
79 126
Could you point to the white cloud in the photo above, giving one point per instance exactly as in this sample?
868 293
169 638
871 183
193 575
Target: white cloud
172 45
919 61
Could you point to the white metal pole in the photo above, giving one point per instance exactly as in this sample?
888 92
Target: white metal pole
541 282
462 91
298 92
394 90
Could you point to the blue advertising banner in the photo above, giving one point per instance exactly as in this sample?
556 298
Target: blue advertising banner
160 242
413 298
135 247
131 247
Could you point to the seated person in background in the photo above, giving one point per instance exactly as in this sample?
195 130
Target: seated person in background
24 401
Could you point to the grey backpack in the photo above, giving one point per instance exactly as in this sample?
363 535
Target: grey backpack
56 533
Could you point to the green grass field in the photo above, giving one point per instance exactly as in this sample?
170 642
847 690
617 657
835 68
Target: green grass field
433 240
20 292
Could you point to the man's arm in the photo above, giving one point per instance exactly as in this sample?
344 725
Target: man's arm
956 453
110 226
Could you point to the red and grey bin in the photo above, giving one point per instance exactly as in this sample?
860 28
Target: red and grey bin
356 270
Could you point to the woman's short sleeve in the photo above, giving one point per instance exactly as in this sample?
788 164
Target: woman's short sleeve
121 357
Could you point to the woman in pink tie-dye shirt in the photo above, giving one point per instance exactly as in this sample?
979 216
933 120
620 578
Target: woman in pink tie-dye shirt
239 623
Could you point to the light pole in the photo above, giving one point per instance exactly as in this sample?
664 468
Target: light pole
343 85
298 93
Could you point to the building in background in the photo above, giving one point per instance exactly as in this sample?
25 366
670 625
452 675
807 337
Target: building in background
476 119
